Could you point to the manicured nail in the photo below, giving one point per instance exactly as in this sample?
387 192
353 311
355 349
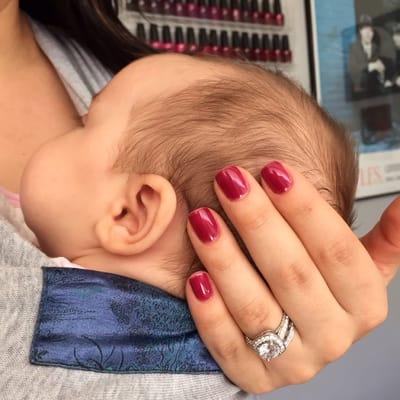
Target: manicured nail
201 286
276 177
232 183
204 224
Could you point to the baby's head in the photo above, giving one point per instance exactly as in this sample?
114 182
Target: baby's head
114 195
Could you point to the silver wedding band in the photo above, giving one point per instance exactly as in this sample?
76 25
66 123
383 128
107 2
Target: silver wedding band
272 343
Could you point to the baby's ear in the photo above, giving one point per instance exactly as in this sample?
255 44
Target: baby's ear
137 220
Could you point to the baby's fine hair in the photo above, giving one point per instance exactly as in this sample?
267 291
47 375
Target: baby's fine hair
247 118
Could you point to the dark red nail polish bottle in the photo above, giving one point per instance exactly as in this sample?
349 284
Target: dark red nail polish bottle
142 5
245 10
203 9
167 44
154 37
276 49
279 17
245 44
132 5
236 45
191 41
267 16
226 50
255 47
192 9
266 48
286 52
255 12
141 32
225 10
180 8
214 11
180 45
215 48
155 7
168 7
204 43
236 15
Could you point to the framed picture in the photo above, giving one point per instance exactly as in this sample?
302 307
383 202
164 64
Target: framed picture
355 55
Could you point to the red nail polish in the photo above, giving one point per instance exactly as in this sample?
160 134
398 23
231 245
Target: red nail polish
236 46
154 37
191 41
279 17
245 44
255 13
204 224
180 8
214 45
255 47
267 16
167 44
192 10
214 11
266 48
180 45
245 11
168 7
226 50
203 9
276 177
276 52
286 52
232 183
201 286
236 14
204 42
225 10
141 32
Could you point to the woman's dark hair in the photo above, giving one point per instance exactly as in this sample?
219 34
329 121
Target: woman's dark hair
94 24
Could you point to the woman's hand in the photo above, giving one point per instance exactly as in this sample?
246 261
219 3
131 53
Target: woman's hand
318 272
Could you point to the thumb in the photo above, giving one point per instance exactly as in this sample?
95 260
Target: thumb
383 241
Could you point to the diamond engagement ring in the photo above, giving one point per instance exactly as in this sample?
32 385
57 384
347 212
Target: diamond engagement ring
272 343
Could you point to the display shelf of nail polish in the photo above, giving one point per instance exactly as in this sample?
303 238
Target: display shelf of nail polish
261 48
260 12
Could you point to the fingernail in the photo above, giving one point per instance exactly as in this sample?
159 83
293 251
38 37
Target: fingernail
204 224
276 177
201 286
232 183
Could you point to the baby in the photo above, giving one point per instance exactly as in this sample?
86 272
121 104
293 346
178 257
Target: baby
114 194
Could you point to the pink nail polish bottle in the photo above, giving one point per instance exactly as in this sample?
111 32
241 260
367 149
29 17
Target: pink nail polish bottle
192 9
180 8
255 12
226 50
203 9
236 14
191 41
180 45
255 47
154 37
245 44
214 12
214 45
279 17
204 43
286 52
167 44
266 48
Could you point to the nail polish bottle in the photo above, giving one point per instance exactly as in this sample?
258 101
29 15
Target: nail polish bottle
154 37
191 41
214 12
245 45
286 52
255 47
180 45
141 32
168 7
226 50
276 49
255 12
266 48
225 10
204 43
279 17
180 8
154 7
132 5
236 45
167 44
142 5
214 45
192 9
236 14
245 10
267 16
203 9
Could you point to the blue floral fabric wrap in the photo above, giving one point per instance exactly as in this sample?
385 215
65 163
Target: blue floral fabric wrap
102 322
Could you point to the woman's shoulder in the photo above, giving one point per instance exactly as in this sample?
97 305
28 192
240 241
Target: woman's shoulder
81 72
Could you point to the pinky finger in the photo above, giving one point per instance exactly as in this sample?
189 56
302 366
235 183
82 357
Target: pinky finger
223 338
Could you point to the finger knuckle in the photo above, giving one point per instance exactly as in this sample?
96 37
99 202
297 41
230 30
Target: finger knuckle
338 252
255 313
301 374
292 274
255 218
334 347
376 316
228 351
260 388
